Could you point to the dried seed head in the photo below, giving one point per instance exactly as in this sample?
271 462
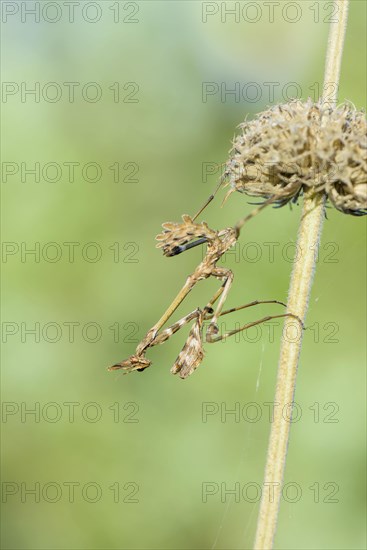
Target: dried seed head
300 145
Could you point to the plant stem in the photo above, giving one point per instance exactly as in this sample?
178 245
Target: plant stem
299 292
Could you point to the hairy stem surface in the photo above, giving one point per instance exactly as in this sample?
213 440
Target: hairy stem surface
300 287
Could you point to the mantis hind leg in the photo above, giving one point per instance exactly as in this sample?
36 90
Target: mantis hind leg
211 338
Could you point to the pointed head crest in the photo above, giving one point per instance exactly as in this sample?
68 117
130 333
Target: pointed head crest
177 235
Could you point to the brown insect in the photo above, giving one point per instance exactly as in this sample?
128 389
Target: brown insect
175 239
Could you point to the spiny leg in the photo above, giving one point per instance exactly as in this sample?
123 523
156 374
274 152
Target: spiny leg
210 338
253 213
227 275
254 303
209 311
214 298
191 281
152 333
218 293
169 331
175 233
273 199
138 361
192 352
211 197
207 314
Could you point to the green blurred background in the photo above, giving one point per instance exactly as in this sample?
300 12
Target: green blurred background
140 441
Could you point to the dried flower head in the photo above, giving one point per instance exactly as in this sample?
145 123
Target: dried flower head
300 145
